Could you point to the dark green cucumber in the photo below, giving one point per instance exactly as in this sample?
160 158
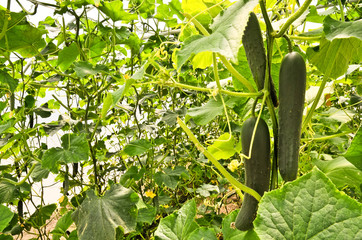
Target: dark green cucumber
257 169
292 84
255 54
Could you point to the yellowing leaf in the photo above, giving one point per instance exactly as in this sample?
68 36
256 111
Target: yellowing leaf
224 147
202 60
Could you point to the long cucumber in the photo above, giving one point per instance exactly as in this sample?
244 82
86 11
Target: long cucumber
257 169
292 85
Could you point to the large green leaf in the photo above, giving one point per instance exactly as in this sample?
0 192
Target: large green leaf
309 208
5 237
83 69
8 81
203 233
146 213
333 58
214 107
39 173
115 11
6 126
334 29
25 39
341 172
179 225
8 192
15 18
354 152
67 56
74 149
224 147
62 226
137 147
227 31
98 217
5 217
341 45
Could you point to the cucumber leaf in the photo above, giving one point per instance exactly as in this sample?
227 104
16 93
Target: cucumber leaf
203 233
340 171
137 147
334 29
98 217
67 56
115 11
309 208
74 149
213 108
333 58
227 31
179 225
354 152
341 45
224 147
5 217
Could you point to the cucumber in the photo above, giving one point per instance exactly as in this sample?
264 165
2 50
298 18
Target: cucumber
257 169
292 85
255 54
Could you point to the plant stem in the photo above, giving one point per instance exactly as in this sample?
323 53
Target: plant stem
234 72
290 44
315 102
23 180
269 102
302 38
216 163
265 16
201 89
197 24
291 19
6 22
341 9
327 137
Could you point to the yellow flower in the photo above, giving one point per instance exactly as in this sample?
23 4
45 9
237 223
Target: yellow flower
213 181
233 165
166 206
61 199
150 194
126 76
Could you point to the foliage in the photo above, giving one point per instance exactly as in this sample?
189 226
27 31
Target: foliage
131 112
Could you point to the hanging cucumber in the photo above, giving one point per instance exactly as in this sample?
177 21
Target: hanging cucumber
255 54
292 84
257 169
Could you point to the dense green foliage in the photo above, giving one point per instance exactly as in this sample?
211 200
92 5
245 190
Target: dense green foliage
122 120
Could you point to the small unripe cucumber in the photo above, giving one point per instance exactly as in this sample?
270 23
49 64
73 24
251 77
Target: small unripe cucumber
292 84
255 54
257 169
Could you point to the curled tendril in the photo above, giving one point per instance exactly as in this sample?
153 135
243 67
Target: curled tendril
161 53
